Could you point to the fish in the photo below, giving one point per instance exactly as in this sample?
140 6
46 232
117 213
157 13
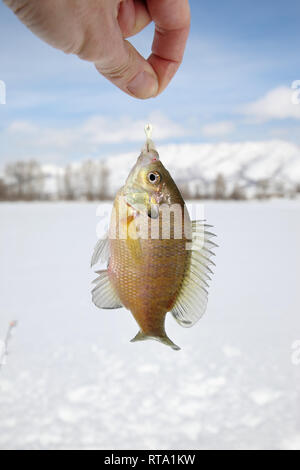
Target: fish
158 260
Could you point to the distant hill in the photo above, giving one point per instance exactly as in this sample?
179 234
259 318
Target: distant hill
252 167
225 170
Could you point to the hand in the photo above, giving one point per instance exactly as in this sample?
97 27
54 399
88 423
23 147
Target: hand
95 31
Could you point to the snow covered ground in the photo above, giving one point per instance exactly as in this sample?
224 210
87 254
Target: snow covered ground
73 380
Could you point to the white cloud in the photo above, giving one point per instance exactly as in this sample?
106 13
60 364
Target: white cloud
24 139
99 130
218 129
21 127
278 103
104 130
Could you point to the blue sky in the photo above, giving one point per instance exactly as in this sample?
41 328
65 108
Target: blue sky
234 85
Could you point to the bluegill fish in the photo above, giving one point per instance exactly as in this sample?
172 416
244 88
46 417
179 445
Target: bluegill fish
158 260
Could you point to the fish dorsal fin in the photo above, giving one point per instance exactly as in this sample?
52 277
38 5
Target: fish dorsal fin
191 301
104 295
101 252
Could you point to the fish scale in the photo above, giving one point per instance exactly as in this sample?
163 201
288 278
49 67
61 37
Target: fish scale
148 288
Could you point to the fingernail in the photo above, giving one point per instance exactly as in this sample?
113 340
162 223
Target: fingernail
144 85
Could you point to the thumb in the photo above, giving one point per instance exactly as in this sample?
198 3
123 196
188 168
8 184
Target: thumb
127 69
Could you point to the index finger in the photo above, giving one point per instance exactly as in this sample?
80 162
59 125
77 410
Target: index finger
172 25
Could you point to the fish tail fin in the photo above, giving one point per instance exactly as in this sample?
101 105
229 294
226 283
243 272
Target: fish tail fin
141 336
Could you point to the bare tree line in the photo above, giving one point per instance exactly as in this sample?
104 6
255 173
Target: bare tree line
22 181
217 189
30 181
223 189
88 181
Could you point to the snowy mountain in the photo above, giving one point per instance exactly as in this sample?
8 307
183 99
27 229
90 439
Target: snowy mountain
273 165
235 170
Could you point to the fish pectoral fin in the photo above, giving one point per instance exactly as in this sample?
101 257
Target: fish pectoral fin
191 301
162 339
104 294
101 252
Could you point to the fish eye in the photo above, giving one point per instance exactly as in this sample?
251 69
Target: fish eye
154 177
